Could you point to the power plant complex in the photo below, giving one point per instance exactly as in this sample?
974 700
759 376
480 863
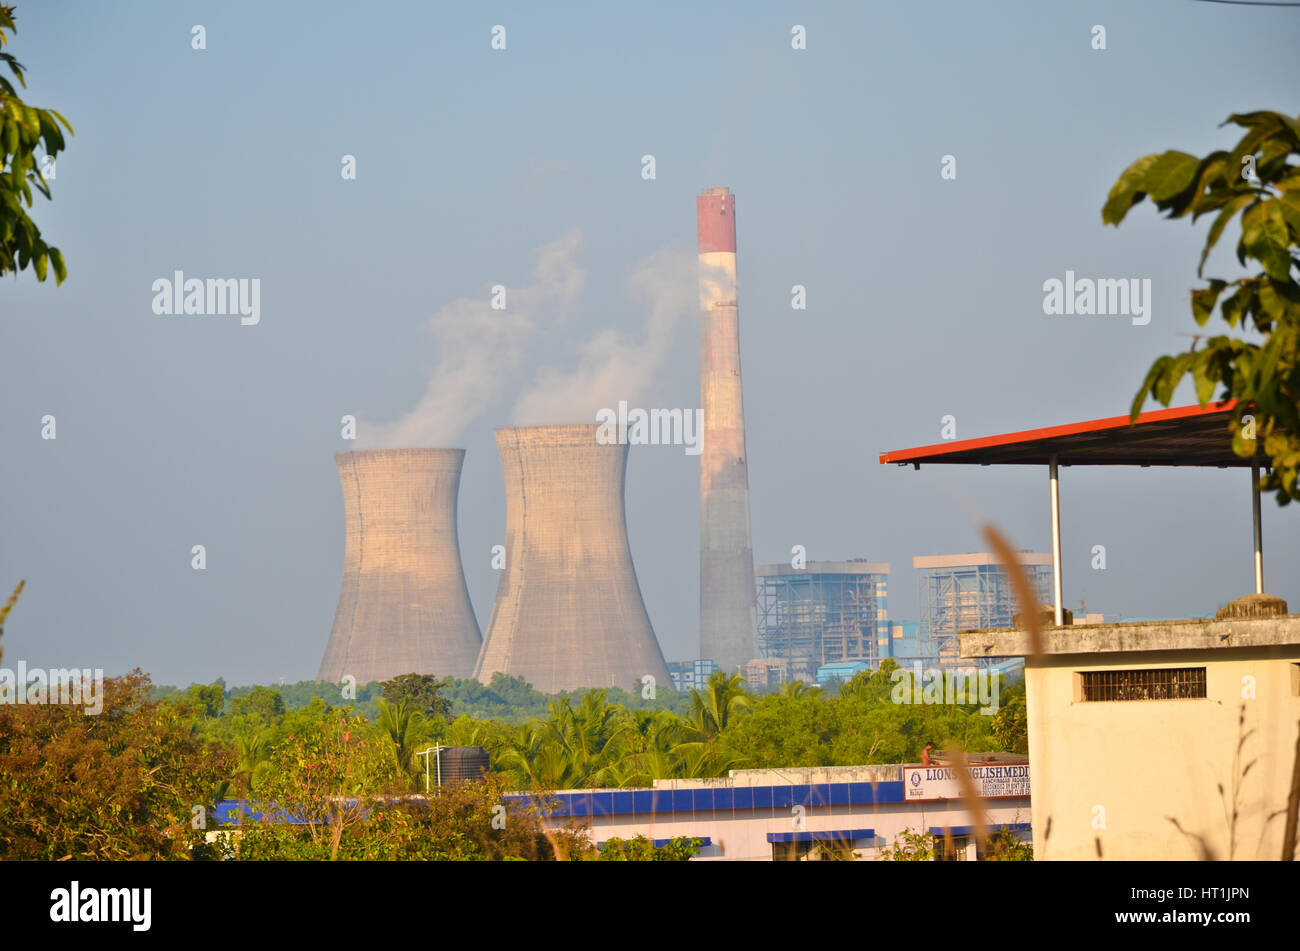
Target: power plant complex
568 612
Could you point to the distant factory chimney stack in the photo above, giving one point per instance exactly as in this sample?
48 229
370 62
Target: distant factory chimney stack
568 610
403 605
728 627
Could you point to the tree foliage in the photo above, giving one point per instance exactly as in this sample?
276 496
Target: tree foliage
641 849
422 691
122 784
1257 180
911 846
23 130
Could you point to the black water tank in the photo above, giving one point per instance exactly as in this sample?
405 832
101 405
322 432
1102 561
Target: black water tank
456 764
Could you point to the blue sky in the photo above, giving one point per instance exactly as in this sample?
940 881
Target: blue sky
924 295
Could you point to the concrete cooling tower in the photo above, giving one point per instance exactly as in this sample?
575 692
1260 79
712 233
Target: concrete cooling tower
568 611
403 607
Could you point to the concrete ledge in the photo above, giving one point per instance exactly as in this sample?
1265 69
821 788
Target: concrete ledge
1204 634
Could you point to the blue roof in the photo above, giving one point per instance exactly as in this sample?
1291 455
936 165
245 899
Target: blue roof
582 803
970 830
828 835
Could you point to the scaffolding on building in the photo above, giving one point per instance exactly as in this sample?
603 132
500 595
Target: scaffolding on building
971 592
826 612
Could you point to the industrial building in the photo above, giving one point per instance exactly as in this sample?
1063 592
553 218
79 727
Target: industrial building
568 611
970 592
691 674
1159 740
403 605
1154 739
765 673
807 813
827 612
727 622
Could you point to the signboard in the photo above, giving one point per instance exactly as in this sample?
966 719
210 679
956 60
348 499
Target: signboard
994 781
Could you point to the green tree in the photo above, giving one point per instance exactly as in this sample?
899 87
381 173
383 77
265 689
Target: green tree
783 730
259 701
328 776
641 849
24 129
1005 847
133 782
573 747
647 748
252 753
422 691
1011 722
210 698
1258 180
910 846
403 725
717 705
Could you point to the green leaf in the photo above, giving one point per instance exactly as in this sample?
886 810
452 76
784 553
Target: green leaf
60 269
1168 381
1170 174
67 125
38 264
1209 174
1271 302
1274 257
1264 370
1127 191
1235 305
1200 376
1288 204
1203 300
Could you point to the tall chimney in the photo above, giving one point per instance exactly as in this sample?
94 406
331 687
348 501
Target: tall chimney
403 605
728 627
568 611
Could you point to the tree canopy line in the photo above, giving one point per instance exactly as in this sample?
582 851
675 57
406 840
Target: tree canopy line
609 738
143 778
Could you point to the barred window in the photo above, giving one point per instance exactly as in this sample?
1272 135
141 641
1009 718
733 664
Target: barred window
1169 683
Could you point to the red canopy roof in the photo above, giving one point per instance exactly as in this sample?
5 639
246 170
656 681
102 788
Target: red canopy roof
1181 436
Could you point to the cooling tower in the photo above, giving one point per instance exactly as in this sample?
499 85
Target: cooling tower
728 627
403 607
568 611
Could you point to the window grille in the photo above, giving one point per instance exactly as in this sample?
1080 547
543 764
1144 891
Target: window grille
1168 683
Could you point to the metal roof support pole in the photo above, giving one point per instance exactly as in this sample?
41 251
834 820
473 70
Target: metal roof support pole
1259 530
1056 539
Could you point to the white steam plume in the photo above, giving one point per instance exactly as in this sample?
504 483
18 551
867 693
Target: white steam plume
481 351
613 366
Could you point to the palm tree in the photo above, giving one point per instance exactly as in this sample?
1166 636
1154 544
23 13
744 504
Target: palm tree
646 742
700 753
794 689
573 747
724 696
404 725
252 751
